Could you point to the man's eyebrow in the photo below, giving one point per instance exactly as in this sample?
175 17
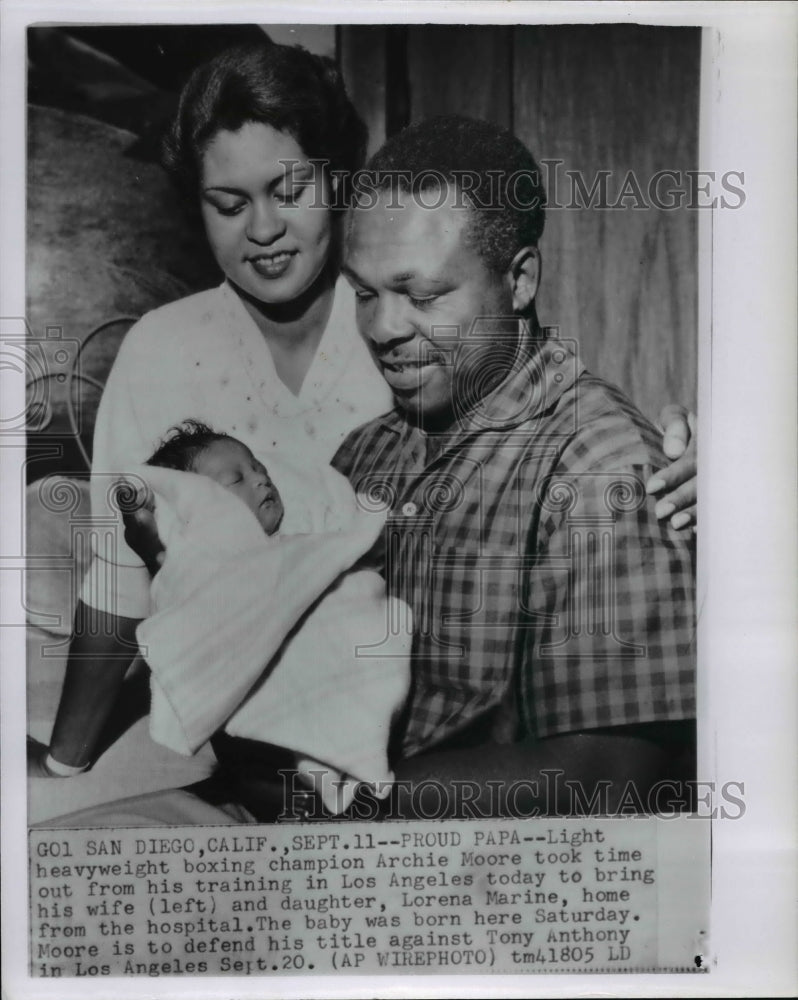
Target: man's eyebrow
405 277
401 278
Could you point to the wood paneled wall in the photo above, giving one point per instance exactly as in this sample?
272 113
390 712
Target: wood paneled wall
617 98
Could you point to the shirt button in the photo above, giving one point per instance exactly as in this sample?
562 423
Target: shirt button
410 509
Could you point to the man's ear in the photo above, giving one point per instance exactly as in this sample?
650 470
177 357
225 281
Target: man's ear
524 278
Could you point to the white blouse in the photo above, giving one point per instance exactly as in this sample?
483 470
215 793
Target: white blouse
203 357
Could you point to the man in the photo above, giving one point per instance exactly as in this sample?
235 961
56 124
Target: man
553 611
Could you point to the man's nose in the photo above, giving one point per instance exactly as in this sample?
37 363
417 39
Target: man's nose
265 223
389 323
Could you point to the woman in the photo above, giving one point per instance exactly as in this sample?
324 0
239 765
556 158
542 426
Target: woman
263 136
271 355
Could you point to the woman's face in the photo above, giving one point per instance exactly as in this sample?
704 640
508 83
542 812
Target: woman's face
263 205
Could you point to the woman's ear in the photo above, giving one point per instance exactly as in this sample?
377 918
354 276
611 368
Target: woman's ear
524 278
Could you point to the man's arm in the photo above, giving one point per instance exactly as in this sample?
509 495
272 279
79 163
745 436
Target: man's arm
643 768
675 485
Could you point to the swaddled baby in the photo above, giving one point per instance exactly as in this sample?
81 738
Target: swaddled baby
257 625
194 447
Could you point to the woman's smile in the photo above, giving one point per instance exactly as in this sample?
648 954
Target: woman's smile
272 265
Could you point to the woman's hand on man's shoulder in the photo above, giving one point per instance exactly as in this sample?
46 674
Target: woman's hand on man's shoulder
675 485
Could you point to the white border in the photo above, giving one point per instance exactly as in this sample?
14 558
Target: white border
747 508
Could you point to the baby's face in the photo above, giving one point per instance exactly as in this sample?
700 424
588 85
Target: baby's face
231 464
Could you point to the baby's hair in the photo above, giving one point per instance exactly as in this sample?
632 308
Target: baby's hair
183 444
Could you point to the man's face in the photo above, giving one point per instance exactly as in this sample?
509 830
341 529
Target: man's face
231 464
412 272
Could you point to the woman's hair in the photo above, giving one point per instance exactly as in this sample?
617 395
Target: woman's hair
279 85
183 445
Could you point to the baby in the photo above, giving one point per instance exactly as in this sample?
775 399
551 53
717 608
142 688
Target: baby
224 642
194 447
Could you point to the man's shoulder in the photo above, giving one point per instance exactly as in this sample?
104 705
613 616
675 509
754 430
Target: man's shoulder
602 429
596 426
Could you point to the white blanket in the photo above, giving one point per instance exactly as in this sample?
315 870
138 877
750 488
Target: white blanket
271 638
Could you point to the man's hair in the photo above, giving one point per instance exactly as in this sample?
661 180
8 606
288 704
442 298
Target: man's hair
283 86
496 174
183 444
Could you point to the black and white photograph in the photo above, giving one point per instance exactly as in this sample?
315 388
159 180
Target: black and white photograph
362 468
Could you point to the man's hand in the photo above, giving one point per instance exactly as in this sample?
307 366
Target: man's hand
675 485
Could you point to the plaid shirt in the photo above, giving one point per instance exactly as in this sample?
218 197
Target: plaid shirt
546 596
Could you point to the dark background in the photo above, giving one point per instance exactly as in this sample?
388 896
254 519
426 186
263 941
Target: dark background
107 239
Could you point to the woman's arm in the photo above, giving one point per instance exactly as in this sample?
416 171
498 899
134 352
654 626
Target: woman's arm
104 641
103 647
